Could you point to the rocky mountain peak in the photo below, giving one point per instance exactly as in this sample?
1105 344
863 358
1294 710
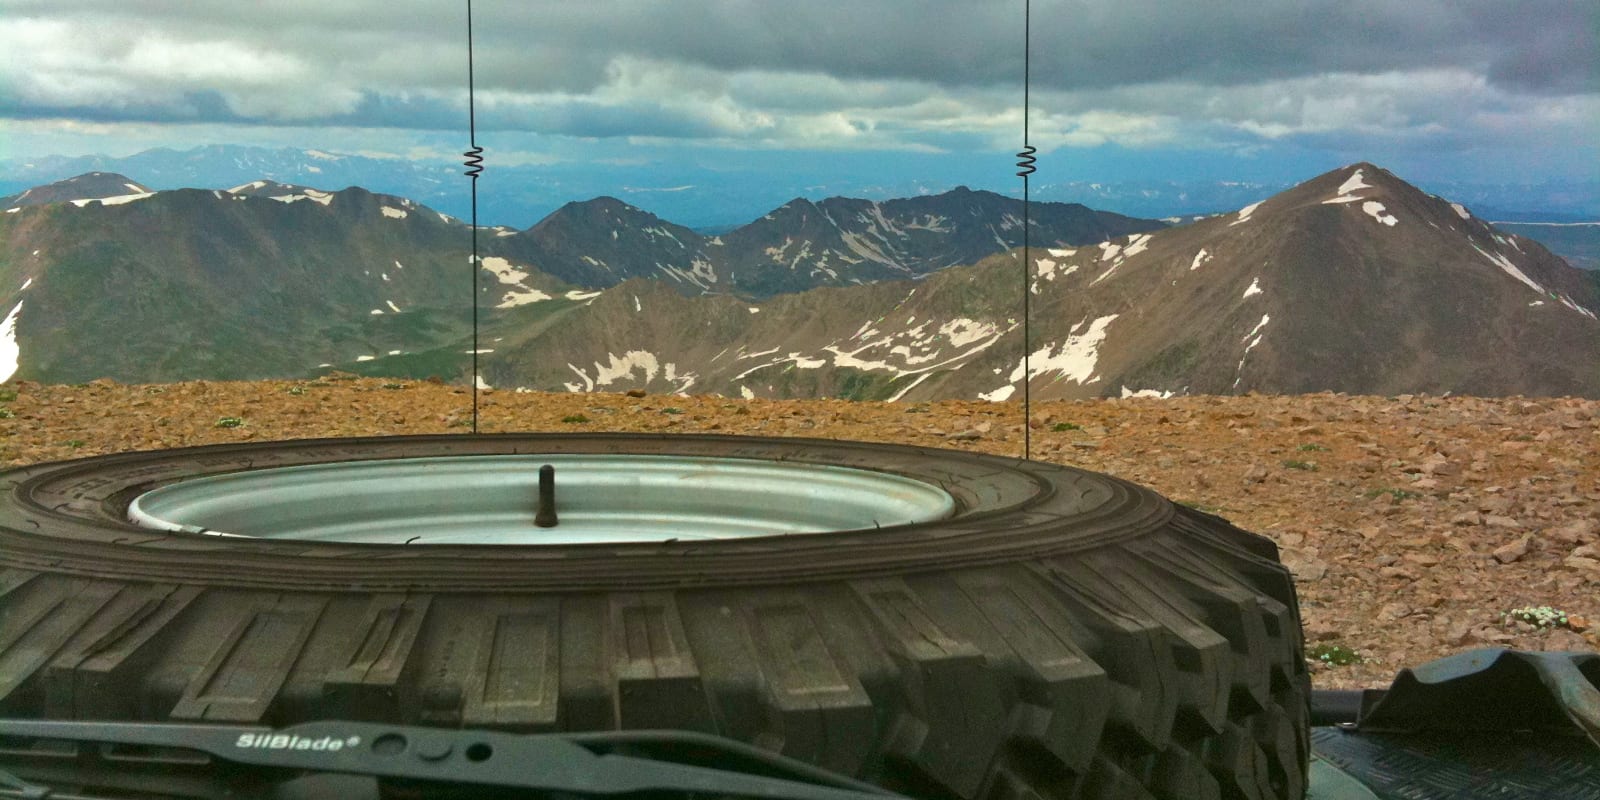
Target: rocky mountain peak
88 187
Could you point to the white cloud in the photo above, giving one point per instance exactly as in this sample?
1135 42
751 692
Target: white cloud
830 75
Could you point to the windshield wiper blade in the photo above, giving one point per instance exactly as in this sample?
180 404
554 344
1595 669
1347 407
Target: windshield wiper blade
591 764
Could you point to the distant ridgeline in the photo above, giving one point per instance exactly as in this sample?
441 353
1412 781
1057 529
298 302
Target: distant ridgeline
1353 281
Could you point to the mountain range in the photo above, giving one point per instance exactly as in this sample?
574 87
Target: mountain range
715 197
1353 281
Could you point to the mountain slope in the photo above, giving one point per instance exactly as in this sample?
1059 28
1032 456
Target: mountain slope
604 241
799 246
268 278
201 283
843 241
1353 281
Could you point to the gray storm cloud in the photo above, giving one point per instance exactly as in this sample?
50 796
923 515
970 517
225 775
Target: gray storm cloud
818 72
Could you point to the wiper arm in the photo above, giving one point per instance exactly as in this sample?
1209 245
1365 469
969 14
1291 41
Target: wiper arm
592 764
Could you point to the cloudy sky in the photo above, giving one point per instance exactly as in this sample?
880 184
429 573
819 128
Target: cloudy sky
1197 90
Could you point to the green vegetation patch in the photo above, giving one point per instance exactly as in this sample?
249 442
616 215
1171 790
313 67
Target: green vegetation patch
574 419
1312 448
229 422
1307 466
1539 617
1336 655
1066 426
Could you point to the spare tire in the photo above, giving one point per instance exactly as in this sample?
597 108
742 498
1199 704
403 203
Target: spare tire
1059 633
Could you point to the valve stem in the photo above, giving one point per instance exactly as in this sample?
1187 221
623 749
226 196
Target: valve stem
545 517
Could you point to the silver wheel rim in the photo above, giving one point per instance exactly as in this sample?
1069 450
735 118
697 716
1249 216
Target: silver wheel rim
493 500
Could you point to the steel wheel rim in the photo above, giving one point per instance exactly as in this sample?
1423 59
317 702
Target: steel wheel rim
492 499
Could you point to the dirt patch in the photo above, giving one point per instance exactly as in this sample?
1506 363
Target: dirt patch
1414 524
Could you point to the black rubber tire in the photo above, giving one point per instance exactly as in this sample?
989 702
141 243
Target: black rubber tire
1065 635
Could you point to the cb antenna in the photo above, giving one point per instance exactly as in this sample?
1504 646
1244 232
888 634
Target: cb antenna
1025 167
474 163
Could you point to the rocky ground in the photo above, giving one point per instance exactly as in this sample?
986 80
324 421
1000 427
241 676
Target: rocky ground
1414 524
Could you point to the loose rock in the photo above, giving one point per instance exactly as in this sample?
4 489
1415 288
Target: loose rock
1508 553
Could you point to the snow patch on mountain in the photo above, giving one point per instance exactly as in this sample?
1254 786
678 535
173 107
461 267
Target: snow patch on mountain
512 275
1107 273
323 198
623 368
700 273
1255 288
962 331
1047 270
916 350
393 213
999 395
1509 268
505 271
1244 213
1567 301
1353 183
1461 211
653 232
930 222
10 351
521 297
1073 359
1199 258
114 201
1155 393
1374 209
1250 344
